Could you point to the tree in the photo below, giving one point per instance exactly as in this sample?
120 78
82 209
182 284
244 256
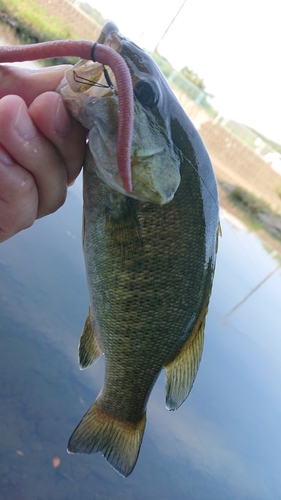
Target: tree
194 78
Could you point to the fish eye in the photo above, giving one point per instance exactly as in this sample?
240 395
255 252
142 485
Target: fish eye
145 94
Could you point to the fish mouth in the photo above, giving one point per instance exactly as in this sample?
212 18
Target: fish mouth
87 81
154 167
110 35
109 28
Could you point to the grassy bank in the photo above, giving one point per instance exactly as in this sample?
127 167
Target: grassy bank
31 23
256 213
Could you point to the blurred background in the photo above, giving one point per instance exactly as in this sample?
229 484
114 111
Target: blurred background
225 441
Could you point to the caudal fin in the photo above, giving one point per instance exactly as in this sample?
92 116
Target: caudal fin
119 441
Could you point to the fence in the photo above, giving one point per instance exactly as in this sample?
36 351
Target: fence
233 160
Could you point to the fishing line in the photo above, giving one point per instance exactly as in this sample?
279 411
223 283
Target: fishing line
221 211
195 170
93 51
105 72
89 82
107 77
224 320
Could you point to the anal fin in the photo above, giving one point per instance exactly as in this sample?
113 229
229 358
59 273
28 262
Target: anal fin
89 349
181 372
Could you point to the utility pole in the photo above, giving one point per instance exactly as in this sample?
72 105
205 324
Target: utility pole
167 29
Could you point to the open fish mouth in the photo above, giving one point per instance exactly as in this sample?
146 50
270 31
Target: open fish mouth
91 95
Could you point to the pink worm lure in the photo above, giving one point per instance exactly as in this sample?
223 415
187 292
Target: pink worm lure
104 55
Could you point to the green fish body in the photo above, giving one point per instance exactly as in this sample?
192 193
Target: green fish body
150 261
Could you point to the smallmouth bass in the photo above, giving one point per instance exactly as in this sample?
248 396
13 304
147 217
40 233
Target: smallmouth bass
149 254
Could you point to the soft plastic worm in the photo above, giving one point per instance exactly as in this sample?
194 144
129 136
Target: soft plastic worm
104 55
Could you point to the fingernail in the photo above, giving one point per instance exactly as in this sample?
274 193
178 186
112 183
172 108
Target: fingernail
5 157
62 120
23 124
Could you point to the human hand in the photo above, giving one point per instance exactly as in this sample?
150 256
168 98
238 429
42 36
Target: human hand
41 147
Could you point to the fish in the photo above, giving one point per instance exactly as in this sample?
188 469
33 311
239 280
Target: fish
150 254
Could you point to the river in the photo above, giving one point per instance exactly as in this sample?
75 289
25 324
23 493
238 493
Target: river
225 440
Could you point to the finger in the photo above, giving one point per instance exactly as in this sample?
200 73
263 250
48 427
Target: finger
34 152
28 83
66 134
18 197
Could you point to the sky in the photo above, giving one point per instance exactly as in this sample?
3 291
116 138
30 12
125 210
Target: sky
233 45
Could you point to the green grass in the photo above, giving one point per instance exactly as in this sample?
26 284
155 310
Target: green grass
250 206
34 24
255 212
33 21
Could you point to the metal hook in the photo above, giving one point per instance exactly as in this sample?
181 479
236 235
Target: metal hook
86 81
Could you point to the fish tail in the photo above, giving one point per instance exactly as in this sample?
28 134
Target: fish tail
118 441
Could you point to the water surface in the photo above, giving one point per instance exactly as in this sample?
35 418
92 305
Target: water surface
225 440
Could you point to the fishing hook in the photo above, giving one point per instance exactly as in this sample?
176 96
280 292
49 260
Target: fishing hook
86 81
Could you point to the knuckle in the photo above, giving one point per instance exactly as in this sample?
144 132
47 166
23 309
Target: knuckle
61 199
51 204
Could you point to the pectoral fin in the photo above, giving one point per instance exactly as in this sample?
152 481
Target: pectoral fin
89 349
181 372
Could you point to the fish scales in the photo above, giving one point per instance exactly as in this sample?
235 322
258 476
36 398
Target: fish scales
148 292
149 264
